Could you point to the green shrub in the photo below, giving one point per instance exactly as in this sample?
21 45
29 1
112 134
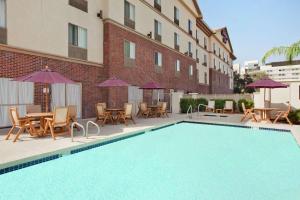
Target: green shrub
294 116
248 104
185 104
219 103
201 101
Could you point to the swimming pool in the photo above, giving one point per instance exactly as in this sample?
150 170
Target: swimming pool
184 161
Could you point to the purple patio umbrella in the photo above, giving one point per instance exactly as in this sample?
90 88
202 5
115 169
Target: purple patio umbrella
152 86
266 83
113 82
46 76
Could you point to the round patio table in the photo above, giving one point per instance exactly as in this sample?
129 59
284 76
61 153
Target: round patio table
42 117
265 113
114 112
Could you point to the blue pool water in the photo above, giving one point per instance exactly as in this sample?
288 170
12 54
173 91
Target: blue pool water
184 161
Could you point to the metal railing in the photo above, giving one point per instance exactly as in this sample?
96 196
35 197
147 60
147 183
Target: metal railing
191 111
87 128
198 112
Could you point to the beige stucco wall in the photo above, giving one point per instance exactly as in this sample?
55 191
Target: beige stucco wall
42 25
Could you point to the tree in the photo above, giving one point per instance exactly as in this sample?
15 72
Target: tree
258 75
290 52
240 83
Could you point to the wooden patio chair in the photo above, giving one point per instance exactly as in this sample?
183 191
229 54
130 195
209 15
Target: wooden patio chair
60 120
72 109
210 107
101 114
283 115
248 113
144 111
228 107
21 123
126 114
162 110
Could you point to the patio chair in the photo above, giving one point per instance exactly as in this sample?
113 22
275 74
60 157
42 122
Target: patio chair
60 120
101 114
162 110
210 107
72 109
228 107
283 115
21 123
126 114
143 110
248 113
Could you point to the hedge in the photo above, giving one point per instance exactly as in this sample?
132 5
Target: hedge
185 104
294 116
248 104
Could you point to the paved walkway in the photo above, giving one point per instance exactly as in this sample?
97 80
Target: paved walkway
28 148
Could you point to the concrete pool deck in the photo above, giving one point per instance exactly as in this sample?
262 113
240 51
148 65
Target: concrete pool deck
29 148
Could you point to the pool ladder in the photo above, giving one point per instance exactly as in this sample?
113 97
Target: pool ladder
189 112
84 130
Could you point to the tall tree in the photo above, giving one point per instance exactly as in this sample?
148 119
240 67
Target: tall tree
290 52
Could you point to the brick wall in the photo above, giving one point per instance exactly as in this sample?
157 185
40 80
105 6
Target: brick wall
13 64
219 83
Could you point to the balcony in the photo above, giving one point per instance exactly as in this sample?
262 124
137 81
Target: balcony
176 21
157 6
197 40
197 60
176 46
80 4
204 64
205 47
191 32
77 52
157 37
129 23
215 52
3 35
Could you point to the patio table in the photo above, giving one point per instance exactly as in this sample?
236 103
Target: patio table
42 117
265 113
114 112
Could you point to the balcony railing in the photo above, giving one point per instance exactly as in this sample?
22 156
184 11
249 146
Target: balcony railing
176 21
176 46
197 60
157 37
3 35
191 32
204 64
80 4
157 6
197 40
130 23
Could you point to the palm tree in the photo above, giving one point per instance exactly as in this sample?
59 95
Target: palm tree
290 52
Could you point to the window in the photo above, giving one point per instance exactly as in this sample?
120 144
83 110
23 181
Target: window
157 5
129 50
205 43
299 91
2 13
80 4
215 64
176 41
191 70
77 36
197 54
219 52
177 66
157 30
205 60
129 18
214 46
190 27
176 16
158 59
205 77
190 49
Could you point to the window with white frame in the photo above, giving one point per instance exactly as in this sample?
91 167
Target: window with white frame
77 36
205 77
176 15
158 59
177 66
157 30
176 40
191 70
3 13
129 50
129 11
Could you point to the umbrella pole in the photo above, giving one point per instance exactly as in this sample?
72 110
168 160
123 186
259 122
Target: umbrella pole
264 97
157 96
47 97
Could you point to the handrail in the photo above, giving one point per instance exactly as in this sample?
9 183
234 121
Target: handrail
199 107
190 109
87 128
72 129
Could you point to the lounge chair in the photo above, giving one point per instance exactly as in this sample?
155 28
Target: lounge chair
101 114
248 113
21 123
144 111
60 120
210 107
162 110
228 107
283 115
126 114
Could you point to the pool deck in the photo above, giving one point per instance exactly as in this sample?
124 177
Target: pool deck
29 148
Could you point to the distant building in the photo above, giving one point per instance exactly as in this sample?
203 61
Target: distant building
251 66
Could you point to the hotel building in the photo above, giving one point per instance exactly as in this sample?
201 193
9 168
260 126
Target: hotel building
88 41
